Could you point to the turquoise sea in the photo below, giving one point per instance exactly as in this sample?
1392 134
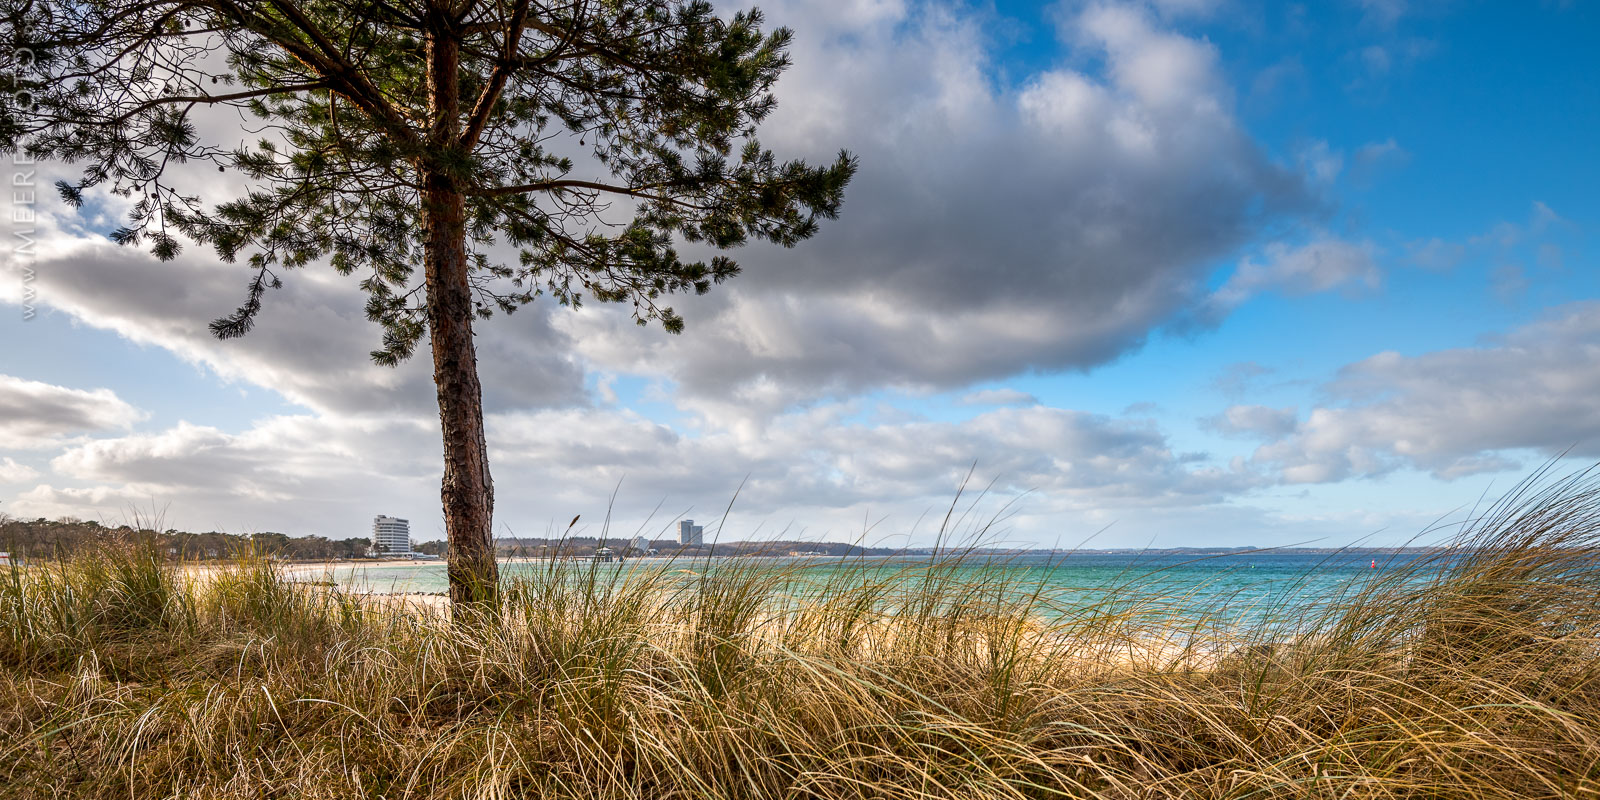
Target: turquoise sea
1235 585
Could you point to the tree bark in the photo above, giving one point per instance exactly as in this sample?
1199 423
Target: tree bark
467 490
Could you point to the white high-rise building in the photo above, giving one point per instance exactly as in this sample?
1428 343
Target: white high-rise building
640 545
690 534
391 536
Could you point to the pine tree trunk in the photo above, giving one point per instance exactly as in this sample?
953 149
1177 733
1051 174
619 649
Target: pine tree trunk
468 491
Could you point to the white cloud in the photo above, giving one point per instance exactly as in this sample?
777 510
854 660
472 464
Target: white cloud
12 472
51 502
1320 265
990 231
311 341
1255 421
35 414
302 473
1456 412
817 459
307 474
1162 70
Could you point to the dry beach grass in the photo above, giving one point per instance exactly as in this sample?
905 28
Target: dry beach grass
1473 674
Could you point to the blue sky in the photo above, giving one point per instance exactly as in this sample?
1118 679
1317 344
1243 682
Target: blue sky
1173 272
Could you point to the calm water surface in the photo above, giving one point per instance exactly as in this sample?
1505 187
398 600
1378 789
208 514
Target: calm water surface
1233 585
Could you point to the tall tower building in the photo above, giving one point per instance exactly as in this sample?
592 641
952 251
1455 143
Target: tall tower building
690 534
391 536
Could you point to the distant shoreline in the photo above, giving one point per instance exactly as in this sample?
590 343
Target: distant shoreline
736 547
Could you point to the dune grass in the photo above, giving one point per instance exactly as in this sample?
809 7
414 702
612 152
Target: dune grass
1470 674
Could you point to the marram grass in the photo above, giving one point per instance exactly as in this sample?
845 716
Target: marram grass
1473 674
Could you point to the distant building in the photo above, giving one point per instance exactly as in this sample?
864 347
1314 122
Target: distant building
640 545
690 534
391 536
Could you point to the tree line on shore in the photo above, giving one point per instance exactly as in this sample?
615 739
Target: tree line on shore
46 538
67 536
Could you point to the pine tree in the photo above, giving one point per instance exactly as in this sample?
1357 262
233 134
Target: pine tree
460 157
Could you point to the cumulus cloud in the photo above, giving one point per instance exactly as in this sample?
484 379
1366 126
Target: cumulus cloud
12 472
35 414
991 230
311 342
1320 265
300 473
1253 421
1455 412
52 502
816 459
